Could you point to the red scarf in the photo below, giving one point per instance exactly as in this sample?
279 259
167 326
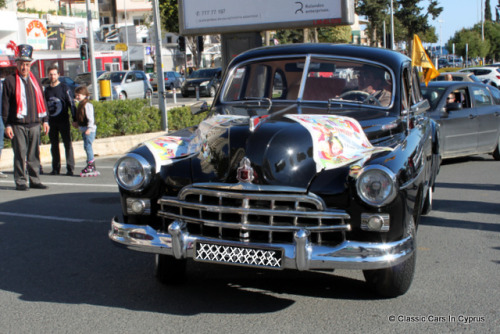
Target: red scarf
40 104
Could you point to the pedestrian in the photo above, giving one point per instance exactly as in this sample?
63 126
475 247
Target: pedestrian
59 101
2 130
86 124
23 110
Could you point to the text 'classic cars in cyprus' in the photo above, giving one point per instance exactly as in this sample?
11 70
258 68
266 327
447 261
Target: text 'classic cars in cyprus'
295 167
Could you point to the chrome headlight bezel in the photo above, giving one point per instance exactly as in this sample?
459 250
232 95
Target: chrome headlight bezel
140 174
382 173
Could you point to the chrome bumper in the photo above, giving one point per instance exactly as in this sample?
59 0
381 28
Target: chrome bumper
302 255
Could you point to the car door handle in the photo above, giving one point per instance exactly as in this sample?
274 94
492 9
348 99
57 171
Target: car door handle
472 116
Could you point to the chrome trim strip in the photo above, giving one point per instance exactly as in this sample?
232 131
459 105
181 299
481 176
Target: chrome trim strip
256 227
251 187
250 211
346 255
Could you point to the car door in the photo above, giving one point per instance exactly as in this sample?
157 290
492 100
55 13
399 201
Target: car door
487 119
458 127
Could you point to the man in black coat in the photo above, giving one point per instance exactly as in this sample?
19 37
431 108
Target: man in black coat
23 110
59 101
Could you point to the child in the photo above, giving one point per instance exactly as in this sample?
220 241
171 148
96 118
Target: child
85 121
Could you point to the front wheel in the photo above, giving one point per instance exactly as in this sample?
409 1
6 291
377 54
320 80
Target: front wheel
394 281
427 203
169 270
211 91
496 152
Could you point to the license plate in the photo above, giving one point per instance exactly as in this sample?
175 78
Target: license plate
190 88
238 255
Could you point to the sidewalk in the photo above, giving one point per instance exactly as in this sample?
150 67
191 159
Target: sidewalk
102 147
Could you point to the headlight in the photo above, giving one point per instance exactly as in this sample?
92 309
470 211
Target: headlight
133 172
376 185
204 83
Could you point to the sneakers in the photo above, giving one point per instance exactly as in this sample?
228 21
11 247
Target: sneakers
54 172
90 170
69 173
21 187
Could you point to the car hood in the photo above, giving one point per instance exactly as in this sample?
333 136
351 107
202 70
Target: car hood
196 81
289 150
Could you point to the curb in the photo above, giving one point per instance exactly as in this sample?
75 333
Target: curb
102 147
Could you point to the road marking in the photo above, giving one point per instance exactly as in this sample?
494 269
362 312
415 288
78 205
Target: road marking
70 184
66 219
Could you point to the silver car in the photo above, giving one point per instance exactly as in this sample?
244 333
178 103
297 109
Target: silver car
128 85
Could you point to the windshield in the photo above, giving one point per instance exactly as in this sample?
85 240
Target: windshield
433 94
200 74
324 80
116 77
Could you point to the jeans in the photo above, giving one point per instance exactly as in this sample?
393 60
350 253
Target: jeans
87 145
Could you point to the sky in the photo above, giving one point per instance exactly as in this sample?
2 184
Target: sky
458 14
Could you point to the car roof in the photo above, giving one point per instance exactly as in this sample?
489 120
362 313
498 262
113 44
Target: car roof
388 57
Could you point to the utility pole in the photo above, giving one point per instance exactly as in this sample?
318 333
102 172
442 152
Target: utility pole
392 28
90 40
162 96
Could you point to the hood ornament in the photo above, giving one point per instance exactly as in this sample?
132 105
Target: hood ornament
245 171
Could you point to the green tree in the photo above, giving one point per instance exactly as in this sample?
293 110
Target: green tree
487 10
492 35
472 38
415 22
375 11
2 3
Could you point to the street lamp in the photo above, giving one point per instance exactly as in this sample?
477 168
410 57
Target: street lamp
441 37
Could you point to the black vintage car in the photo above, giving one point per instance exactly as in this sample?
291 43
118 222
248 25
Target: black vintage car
469 117
294 168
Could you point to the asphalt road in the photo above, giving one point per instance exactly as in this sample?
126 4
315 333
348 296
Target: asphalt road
59 273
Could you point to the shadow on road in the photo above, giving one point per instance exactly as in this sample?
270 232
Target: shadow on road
74 262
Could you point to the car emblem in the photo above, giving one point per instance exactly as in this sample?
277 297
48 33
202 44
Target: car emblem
245 171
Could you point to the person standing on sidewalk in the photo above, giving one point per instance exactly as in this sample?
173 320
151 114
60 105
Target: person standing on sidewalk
86 123
59 101
23 110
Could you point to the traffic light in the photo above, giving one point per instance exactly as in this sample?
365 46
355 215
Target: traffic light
84 52
181 43
199 44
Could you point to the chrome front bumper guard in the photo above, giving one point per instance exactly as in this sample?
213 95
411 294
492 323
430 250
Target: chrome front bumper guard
302 255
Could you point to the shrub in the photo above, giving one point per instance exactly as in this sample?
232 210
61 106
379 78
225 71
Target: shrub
127 117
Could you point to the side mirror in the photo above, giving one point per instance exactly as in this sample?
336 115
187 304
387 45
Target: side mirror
199 107
420 107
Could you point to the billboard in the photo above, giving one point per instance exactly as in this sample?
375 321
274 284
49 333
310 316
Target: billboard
33 32
204 17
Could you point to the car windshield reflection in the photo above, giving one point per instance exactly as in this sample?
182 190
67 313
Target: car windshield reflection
304 79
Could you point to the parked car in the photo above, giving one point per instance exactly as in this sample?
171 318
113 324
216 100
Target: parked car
310 175
128 84
469 124
489 75
67 80
457 76
171 79
206 79
443 62
85 79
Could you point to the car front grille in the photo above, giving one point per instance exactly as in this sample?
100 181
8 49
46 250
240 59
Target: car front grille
258 216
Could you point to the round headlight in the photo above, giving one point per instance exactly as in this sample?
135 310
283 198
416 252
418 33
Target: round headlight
133 172
376 185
